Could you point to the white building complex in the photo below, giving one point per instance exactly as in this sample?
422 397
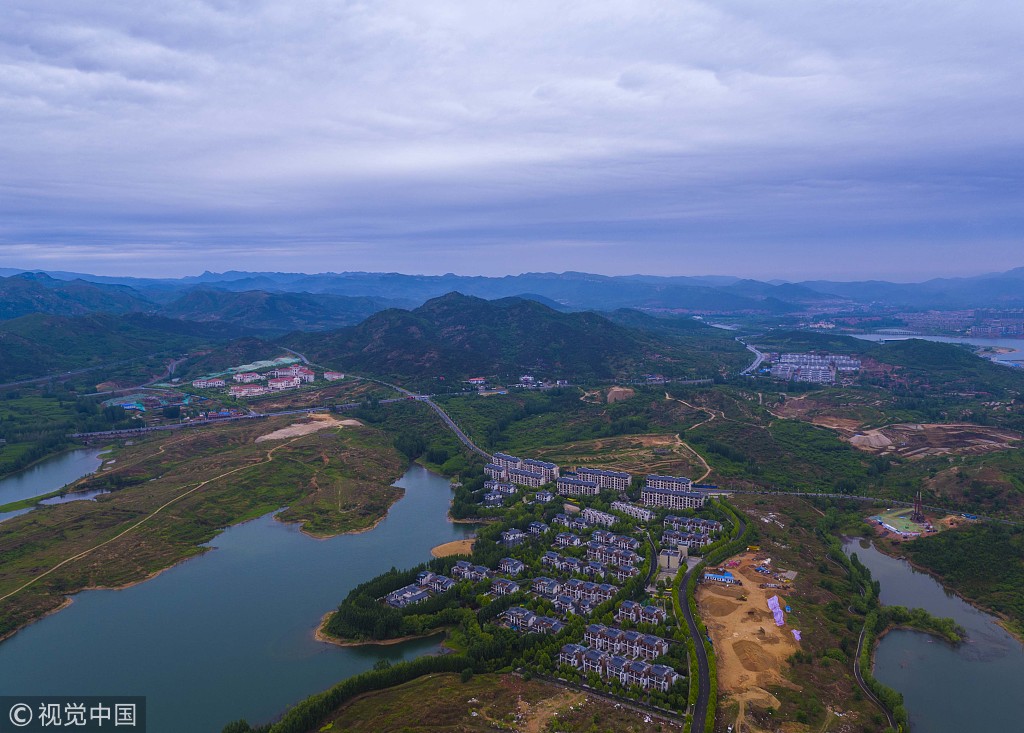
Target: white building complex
616 480
568 486
679 483
594 516
672 499
632 510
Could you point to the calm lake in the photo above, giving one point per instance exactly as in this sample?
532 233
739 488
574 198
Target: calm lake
49 475
230 634
973 687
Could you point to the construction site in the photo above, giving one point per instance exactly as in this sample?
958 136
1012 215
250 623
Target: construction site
751 649
920 440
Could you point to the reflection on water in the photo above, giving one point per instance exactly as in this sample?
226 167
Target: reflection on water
49 475
230 634
972 687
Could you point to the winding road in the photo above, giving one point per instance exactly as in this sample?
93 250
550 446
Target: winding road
700 707
758 357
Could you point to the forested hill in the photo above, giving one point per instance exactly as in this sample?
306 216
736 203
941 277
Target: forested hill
457 336
38 344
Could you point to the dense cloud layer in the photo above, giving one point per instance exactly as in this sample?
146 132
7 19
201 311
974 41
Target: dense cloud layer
748 137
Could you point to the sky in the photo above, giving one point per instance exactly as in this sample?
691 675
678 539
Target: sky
804 139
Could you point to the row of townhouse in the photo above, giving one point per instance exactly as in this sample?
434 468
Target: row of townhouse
693 524
493 499
679 483
547 471
208 383
526 621
573 486
617 480
501 488
568 539
632 510
639 613
689 540
612 667
511 566
498 493
631 644
595 516
465 570
569 606
537 528
513 537
523 477
573 565
495 472
571 523
517 476
504 587
613 555
616 540
575 589
426 583
247 377
672 498
281 383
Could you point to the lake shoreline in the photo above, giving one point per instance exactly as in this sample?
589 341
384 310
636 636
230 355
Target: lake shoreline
301 523
322 636
1001 618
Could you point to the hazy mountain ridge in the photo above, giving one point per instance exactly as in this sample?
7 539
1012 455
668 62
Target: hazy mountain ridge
74 293
457 336
27 293
259 310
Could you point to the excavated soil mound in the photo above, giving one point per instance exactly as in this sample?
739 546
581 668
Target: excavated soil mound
871 440
752 657
720 607
721 590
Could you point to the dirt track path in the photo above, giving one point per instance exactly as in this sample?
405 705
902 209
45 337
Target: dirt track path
698 456
119 535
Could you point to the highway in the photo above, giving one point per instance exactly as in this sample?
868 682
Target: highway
758 357
700 707
427 399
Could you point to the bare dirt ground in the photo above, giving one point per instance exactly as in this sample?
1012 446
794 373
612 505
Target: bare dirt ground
458 547
917 440
618 394
909 440
651 453
751 650
313 425
537 716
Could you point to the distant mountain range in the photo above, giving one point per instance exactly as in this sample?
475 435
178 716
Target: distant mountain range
274 302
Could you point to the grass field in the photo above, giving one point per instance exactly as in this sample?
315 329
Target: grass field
900 519
172 493
444 704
